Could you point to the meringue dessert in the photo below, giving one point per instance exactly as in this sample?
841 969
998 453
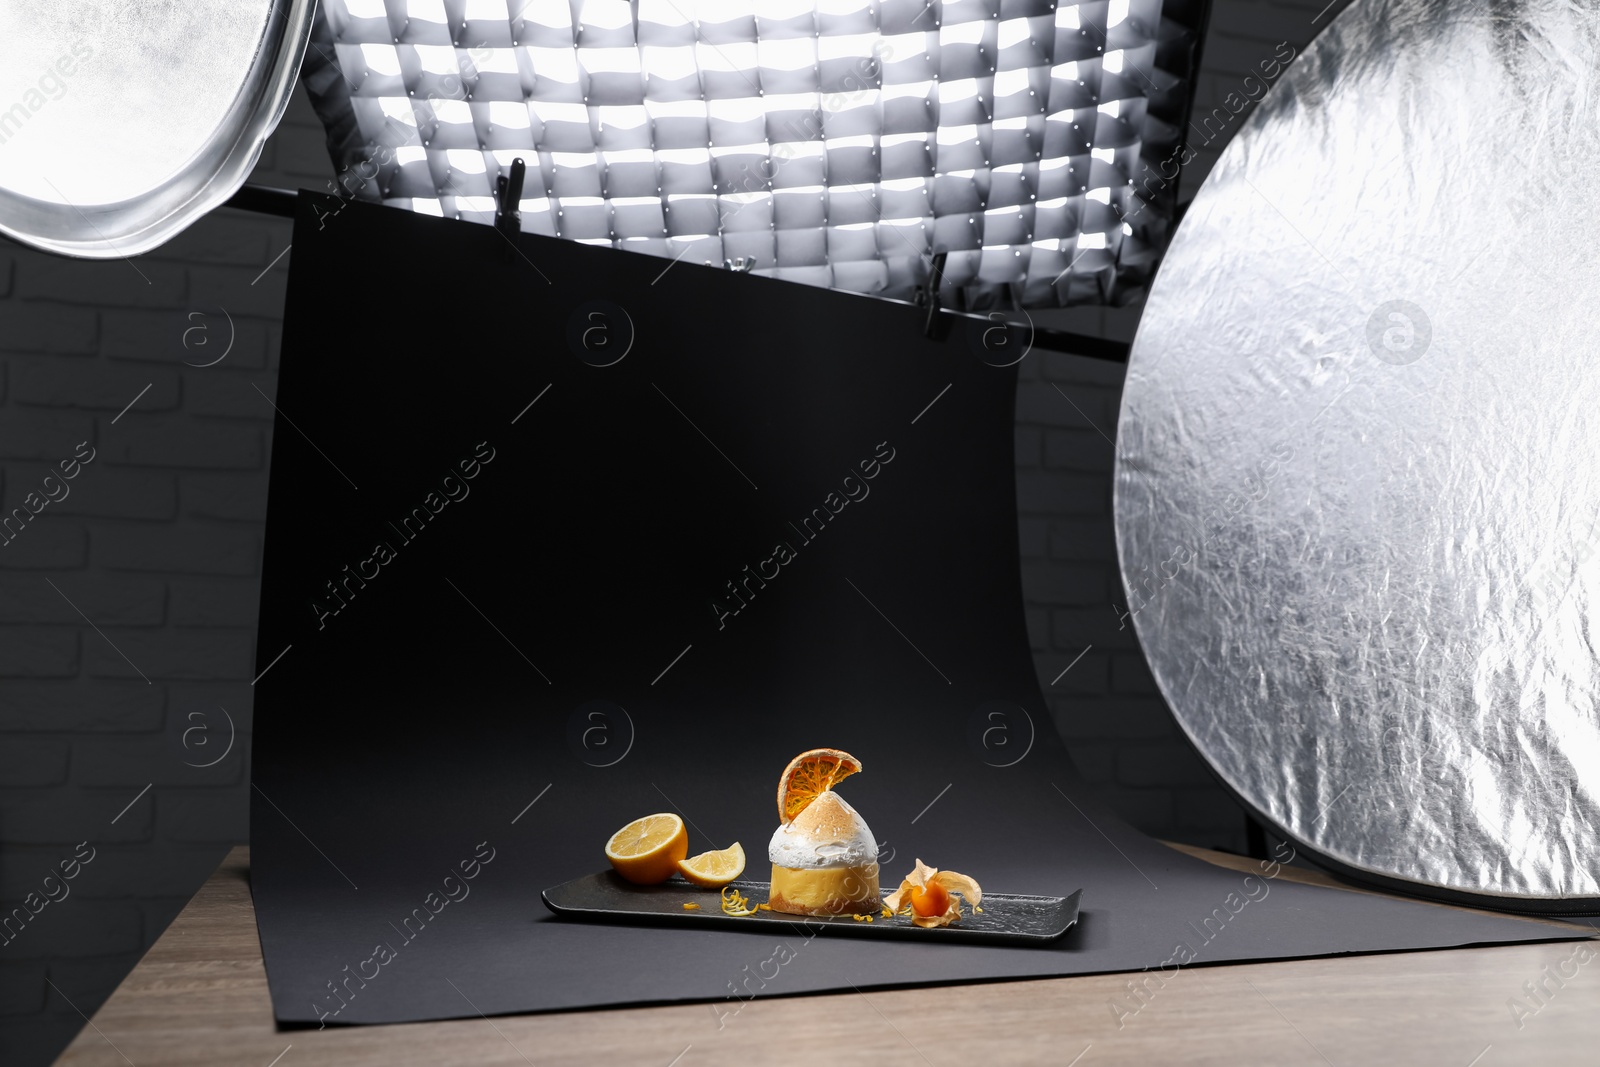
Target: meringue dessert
824 858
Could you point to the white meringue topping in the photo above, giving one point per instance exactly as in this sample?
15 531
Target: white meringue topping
828 833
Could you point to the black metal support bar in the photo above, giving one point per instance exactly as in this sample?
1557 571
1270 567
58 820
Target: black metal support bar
1082 344
939 320
264 200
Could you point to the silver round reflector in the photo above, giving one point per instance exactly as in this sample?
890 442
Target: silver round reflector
123 121
1358 470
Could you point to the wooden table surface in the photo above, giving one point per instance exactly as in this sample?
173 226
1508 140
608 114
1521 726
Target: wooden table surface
200 997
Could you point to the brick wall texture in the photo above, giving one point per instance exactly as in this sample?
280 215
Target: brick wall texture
128 602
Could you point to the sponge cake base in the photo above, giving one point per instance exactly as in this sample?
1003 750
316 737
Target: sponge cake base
826 890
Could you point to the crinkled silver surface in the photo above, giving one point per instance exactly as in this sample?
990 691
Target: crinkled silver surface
1358 470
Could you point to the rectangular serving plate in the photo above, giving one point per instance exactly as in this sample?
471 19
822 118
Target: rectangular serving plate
1006 919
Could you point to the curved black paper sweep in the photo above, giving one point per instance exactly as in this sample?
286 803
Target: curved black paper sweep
555 544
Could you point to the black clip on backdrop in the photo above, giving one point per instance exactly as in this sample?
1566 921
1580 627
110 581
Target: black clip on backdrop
508 206
933 325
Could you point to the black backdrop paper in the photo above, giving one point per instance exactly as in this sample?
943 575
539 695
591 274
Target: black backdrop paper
510 490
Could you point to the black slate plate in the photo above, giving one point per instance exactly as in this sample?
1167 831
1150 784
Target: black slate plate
1007 918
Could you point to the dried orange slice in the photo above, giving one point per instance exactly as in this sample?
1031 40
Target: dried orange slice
713 870
647 850
809 775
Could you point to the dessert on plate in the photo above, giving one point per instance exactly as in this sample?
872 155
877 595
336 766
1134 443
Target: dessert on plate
824 858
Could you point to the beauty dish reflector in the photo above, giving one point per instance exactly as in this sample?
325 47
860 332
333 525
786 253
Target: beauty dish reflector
833 142
1358 469
123 121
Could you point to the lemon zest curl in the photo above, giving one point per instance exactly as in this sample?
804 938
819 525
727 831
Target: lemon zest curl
737 904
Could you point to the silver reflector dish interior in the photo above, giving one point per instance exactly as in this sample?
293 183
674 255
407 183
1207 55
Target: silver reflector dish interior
1358 470
831 142
123 121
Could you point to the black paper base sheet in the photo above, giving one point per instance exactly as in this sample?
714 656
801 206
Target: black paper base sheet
560 536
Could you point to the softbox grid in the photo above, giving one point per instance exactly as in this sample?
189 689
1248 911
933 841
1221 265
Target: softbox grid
830 142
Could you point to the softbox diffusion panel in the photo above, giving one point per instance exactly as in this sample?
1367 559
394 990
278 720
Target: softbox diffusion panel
832 143
508 500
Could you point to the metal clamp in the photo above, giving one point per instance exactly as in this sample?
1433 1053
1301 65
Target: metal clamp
508 204
928 295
